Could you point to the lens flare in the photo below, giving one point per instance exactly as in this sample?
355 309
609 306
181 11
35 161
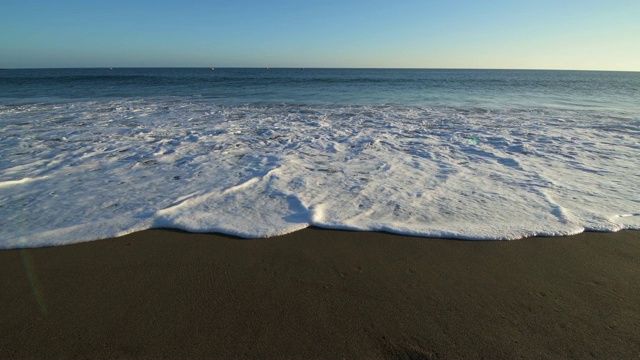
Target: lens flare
36 289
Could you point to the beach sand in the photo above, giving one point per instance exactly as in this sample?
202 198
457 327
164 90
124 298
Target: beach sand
323 294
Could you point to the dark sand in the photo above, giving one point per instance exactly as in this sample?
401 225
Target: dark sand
323 294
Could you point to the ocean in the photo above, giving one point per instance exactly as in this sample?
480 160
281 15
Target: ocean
87 154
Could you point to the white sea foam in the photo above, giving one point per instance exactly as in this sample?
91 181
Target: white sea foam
9 183
90 170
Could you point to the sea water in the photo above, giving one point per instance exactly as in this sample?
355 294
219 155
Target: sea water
87 154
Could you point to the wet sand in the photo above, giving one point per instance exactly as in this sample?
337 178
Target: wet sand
323 294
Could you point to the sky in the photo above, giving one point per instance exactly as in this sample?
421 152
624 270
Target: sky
501 34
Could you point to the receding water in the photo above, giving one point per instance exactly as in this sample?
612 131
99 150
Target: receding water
474 154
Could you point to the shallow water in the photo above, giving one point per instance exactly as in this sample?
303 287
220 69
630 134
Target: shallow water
93 153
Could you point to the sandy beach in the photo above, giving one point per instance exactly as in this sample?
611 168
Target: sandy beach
323 294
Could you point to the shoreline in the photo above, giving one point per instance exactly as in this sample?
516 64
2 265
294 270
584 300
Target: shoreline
320 293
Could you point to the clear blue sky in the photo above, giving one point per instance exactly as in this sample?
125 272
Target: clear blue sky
525 34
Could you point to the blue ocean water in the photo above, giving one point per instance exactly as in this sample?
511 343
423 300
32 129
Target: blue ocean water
475 154
465 88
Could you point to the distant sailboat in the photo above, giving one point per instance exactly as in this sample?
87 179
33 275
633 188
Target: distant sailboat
212 68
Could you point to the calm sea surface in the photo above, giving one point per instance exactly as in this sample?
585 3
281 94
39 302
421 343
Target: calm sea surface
475 154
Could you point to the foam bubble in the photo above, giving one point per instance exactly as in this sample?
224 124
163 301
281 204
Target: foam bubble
97 169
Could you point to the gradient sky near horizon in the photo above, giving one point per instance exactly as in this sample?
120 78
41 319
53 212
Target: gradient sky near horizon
505 34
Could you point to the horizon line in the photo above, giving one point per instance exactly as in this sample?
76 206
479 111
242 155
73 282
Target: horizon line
310 68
